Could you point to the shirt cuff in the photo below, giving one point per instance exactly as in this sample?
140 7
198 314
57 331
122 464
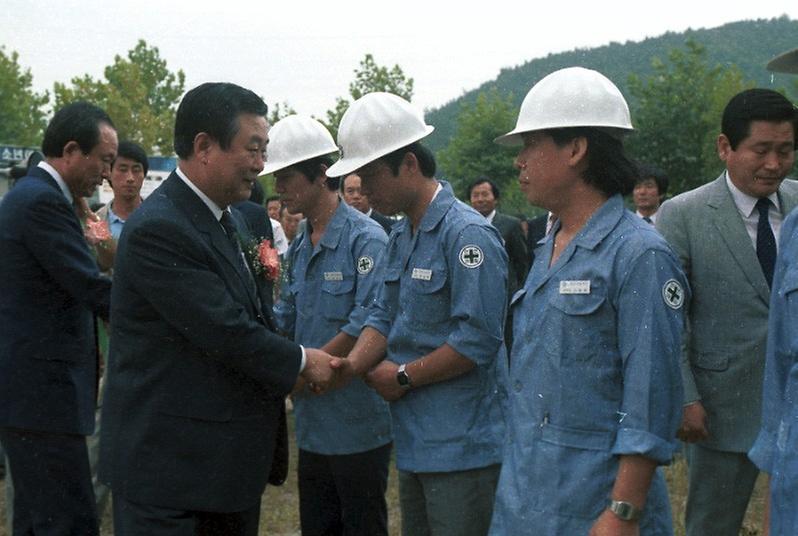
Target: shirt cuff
304 359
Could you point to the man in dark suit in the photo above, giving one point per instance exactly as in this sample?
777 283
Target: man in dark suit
50 292
196 378
354 197
484 196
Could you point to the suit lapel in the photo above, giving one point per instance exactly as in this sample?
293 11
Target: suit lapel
726 218
205 223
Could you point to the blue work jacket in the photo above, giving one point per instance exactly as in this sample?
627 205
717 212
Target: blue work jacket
329 289
593 375
776 448
446 284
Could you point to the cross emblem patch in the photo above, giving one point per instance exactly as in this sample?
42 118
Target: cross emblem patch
673 294
364 265
471 256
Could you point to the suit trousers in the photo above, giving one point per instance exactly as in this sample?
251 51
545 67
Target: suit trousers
719 487
344 495
133 519
52 483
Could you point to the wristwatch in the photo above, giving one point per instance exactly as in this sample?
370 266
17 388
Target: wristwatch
625 510
402 378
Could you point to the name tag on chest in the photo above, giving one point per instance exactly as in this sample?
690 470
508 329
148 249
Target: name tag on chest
575 287
333 276
422 273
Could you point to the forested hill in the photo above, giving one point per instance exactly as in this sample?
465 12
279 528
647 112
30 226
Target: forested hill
747 44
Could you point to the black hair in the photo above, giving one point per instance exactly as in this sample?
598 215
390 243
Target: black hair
213 108
755 105
312 169
257 193
79 122
271 198
133 151
482 180
426 160
608 168
647 172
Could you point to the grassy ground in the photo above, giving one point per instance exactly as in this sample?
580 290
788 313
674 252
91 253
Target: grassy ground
279 516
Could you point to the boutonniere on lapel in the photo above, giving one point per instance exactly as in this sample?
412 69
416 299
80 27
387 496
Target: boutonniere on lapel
96 231
263 259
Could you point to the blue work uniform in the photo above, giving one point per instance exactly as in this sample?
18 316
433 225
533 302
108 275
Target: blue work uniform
446 284
329 289
593 375
776 448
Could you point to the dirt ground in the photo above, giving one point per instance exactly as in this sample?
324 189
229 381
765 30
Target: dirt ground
279 514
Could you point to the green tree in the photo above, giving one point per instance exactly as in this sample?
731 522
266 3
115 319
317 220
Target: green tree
22 116
676 112
472 153
370 77
140 94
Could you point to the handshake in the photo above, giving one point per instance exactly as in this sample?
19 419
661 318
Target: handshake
324 372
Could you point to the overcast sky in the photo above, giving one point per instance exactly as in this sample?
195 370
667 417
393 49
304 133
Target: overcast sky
305 52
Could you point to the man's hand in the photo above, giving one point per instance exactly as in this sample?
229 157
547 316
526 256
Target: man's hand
382 379
608 524
344 372
694 423
318 372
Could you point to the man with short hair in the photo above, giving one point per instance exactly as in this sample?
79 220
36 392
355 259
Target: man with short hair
273 206
725 233
127 177
433 338
649 192
344 436
51 292
353 196
197 378
484 195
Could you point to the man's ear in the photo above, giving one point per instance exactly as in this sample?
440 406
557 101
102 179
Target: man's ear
724 147
202 146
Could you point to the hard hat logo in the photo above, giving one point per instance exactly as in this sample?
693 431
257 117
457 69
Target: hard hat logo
571 97
375 125
297 138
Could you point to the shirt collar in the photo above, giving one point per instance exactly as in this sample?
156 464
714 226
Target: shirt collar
58 180
438 206
332 233
601 222
214 208
112 217
490 216
747 203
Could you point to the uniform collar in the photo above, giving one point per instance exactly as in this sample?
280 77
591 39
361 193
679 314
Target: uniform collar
332 234
438 206
601 223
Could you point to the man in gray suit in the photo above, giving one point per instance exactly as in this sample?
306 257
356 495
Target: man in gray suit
725 233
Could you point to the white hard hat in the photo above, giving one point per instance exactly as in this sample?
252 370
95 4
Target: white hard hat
294 139
376 124
786 62
572 97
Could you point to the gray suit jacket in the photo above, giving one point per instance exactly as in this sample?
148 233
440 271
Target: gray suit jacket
724 357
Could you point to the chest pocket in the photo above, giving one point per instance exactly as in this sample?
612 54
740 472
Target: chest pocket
789 290
337 298
576 325
426 302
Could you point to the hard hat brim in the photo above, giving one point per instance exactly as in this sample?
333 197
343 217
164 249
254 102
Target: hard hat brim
347 165
514 138
786 62
270 168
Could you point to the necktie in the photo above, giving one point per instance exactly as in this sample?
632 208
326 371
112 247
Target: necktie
765 241
232 235
648 220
